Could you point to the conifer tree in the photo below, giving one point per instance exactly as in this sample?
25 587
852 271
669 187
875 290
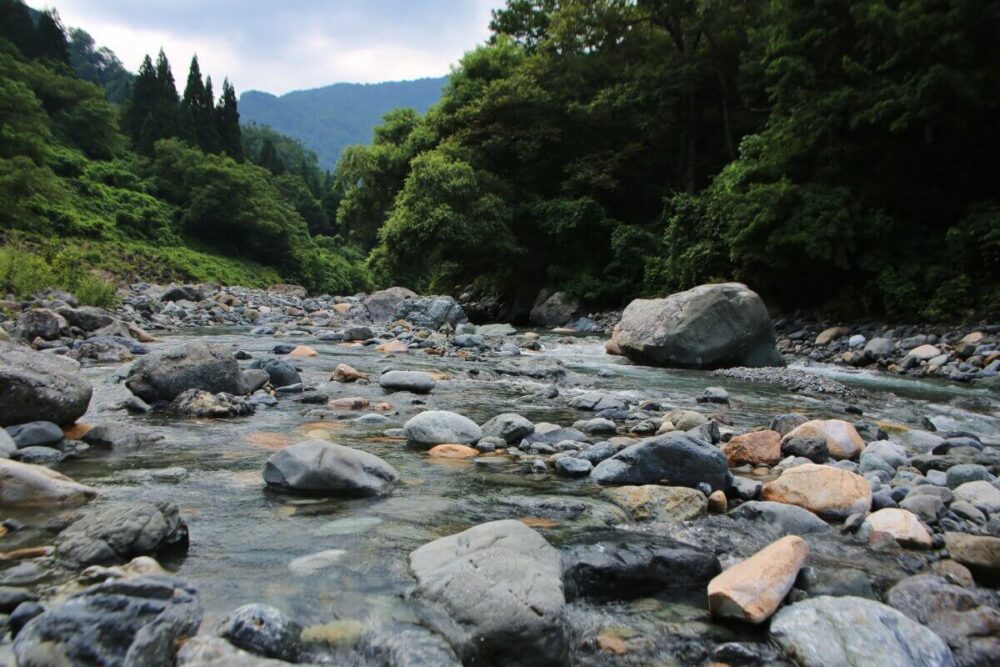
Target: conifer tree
50 38
228 119
269 158
198 122
17 27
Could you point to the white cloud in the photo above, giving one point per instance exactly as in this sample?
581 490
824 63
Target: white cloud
282 47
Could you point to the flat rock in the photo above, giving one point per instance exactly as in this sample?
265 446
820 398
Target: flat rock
825 631
753 448
510 427
26 484
118 532
842 440
495 593
779 519
651 502
412 381
752 589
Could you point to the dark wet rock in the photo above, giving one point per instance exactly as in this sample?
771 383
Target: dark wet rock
317 467
280 373
431 312
201 403
573 467
87 318
779 519
357 333
405 645
113 435
118 532
709 326
469 341
613 564
554 436
825 631
45 456
137 621
40 323
24 613
838 582
412 381
675 458
12 596
283 348
785 424
163 376
100 352
36 434
182 293
596 402
967 619
130 344
510 427
255 378
36 386
437 427
553 309
495 593
263 630
598 452
814 449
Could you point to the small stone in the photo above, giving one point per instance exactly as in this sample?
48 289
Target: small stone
658 503
904 527
717 503
842 440
345 373
451 451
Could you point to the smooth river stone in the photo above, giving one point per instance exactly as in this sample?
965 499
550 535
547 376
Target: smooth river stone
842 439
903 525
752 590
824 490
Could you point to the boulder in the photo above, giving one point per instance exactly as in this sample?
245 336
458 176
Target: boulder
924 352
201 403
439 427
381 305
431 312
825 631
904 526
137 621
40 323
980 494
262 630
879 348
36 387
28 485
779 519
652 502
163 376
621 565
36 434
496 330
411 381
979 553
962 617
842 440
181 293
495 593
317 467
118 532
710 326
509 427
753 448
280 373
676 458
824 490
86 318
553 309
613 346
752 589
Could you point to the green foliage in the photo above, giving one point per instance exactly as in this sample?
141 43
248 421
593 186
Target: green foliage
23 274
99 66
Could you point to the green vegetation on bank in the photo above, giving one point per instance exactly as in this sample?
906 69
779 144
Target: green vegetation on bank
169 196
833 155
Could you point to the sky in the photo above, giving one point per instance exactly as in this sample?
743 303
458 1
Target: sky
283 45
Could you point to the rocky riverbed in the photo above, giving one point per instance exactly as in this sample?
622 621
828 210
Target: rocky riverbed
260 477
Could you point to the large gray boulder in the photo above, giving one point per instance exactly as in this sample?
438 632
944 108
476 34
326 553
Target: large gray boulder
439 427
553 309
118 532
138 621
40 323
676 459
509 426
163 376
87 318
381 305
40 387
495 593
432 312
317 467
709 326
826 631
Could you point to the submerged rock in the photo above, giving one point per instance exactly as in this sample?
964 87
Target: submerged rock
658 503
201 403
612 564
752 589
36 386
318 467
163 376
780 519
26 484
709 326
495 593
138 621
676 458
825 631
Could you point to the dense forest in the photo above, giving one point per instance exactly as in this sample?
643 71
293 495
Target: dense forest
836 156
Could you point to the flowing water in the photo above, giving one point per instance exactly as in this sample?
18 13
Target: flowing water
321 560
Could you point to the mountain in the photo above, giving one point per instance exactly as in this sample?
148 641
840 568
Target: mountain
329 119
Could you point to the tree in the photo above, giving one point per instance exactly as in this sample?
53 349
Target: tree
17 27
50 38
100 66
228 119
198 111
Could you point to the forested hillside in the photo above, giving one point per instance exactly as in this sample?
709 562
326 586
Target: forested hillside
329 119
159 188
835 155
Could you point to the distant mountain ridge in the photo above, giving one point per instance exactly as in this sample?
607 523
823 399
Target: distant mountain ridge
327 120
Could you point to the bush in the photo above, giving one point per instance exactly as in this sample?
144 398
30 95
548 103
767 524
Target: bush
23 274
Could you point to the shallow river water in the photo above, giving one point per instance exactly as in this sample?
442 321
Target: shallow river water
246 540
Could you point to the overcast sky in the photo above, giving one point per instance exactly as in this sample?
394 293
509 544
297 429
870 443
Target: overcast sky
283 45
